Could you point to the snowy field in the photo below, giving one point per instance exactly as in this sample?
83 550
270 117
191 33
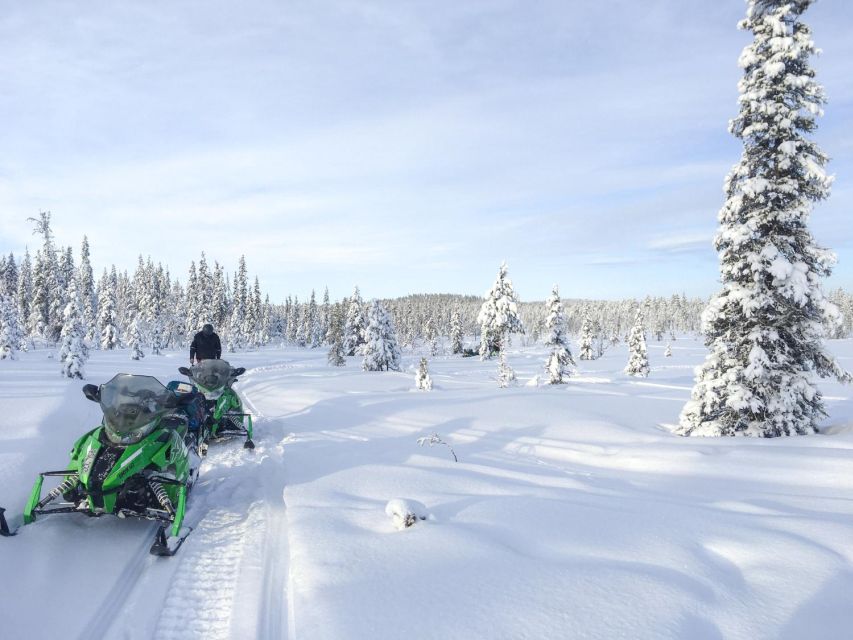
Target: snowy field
572 512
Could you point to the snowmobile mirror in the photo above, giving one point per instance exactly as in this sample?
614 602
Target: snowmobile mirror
185 372
239 371
92 392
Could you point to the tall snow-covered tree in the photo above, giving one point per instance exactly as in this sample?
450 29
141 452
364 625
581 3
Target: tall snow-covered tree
219 304
192 313
312 323
456 333
335 336
86 288
587 352
107 329
498 317
638 360
560 362
134 337
9 329
204 292
73 351
24 294
431 336
48 293
765 328
355 325
325 316
381 351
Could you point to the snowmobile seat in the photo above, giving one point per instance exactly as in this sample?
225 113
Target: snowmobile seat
192 402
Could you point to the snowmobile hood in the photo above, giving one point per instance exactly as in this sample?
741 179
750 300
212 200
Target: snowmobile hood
132 406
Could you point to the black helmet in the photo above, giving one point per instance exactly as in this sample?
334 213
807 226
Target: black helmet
207 329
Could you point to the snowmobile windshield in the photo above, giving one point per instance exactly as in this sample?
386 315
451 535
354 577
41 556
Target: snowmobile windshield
132 405
212 374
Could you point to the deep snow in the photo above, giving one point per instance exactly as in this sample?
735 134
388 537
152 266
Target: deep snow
573 512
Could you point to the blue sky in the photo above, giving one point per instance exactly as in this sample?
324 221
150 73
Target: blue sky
402 146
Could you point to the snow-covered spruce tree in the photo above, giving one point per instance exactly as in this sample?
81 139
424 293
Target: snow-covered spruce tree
106 315
325 317
9 330
23 295
86 287
456 332
638 360
431 336
560 362
381 352
422 379
335 336
73 351
587 338
668 352
355 325
498 316
765 328
134 333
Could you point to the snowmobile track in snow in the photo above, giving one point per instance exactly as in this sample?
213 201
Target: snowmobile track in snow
105 615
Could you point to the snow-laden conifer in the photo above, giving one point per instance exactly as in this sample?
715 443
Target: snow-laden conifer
765 328
456 333
134 337
9 326
560 362
668 352
23 296
498 317
431 336
335 336
506 374
107 330
638 360
381 352
422 378
73 351
355 325
586 351
86 288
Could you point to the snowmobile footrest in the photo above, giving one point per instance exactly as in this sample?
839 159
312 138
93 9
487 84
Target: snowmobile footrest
4 526
163 546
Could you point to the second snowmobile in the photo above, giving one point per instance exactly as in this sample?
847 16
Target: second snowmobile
225 415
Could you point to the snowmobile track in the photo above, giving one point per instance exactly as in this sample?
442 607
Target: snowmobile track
105 615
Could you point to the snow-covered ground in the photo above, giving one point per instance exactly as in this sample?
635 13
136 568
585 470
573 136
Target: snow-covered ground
572 512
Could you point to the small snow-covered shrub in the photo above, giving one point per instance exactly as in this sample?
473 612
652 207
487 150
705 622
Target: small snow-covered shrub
506 374
404 513
422 379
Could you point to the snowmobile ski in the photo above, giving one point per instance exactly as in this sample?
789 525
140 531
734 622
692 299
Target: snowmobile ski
167 546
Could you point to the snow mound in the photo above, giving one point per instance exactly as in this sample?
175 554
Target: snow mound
404 513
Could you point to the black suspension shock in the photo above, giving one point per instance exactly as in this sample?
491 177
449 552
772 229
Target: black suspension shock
66 485
162 496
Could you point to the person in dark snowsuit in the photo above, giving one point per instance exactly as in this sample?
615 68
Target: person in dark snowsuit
205 345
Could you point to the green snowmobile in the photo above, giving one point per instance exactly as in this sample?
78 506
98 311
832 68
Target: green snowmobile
135 464
225 415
